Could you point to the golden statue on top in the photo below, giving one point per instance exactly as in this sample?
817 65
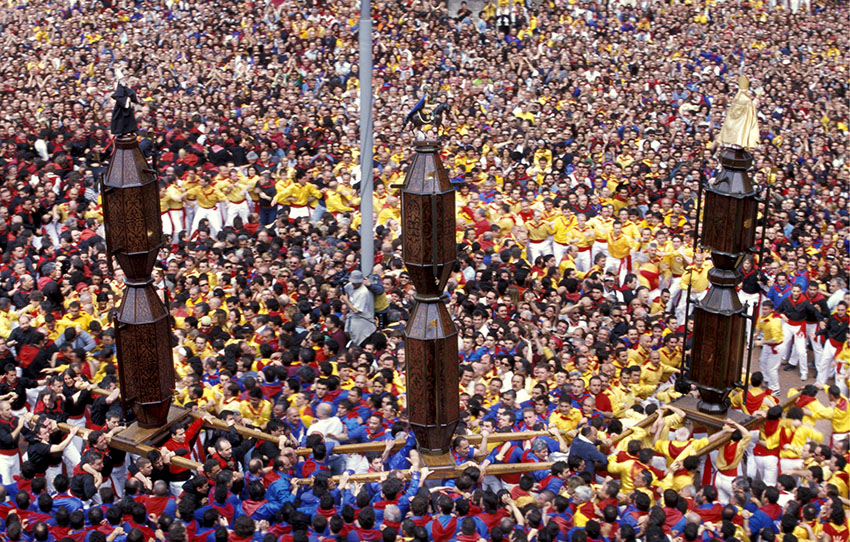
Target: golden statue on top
741 127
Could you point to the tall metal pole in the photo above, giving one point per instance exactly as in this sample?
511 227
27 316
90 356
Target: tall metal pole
367 235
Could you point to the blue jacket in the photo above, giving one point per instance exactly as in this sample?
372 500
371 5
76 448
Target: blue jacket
590 453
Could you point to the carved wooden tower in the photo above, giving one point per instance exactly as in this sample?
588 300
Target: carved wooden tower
429 252
134 236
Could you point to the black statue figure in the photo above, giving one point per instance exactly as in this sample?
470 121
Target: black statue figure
123 115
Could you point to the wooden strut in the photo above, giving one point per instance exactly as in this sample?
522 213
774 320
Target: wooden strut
380 446
359 448
723 440
216 423
516 468
138 449
441 473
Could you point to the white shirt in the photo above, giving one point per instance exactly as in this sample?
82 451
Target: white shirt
328 426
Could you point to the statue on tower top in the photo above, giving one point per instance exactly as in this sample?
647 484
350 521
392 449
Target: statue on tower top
123 114
741 129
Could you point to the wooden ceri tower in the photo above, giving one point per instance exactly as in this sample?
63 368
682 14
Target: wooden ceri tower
133 224
429 252
731 205
719 319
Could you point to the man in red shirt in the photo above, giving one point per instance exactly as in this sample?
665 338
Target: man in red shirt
181 444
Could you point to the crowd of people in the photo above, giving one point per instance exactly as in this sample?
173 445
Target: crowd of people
577 134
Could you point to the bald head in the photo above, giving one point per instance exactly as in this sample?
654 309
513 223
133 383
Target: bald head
160 488
324 410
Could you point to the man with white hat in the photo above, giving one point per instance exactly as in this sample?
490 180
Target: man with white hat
360 320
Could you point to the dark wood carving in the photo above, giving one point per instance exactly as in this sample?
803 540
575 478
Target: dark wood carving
133 236
729 232
428 248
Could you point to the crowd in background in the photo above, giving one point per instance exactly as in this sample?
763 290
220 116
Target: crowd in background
577 135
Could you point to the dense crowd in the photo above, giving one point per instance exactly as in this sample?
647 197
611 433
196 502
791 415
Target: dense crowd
577 134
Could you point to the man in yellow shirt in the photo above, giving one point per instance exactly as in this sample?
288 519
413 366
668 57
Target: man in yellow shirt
838 412
235 187
76 317
255 409
729 458
336 200
697 278
620 247
565 417
301 196
770 328
208 198
561 225
539 236
583 237
793 435
602 225
677 259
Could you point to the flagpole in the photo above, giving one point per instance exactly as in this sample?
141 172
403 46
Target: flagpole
367 235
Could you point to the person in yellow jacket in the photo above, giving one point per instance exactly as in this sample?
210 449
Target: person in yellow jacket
729 458
337 201
301 196
652 373
76 317
540 234
769 326
582 236
561 223
208 198
620 248
602 225
171 210
235 188
838 412
697 278
794 433
255 409
565 417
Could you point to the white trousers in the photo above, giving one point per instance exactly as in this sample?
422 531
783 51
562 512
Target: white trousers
683 301
167 226
558 250
237 209
535 249
769 362
10 465
794 348
71 458
77 441
752 301
50 474
213 216
176 487
583 261
178 220
299 212
828 366
787 464
723 484
675 294
767 467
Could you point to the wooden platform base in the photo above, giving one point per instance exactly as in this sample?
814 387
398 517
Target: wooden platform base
434 461
135 435
710 421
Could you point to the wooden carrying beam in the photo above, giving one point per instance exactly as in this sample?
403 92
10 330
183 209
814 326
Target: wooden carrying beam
497 469
138 449
380 445
216 423
786 404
